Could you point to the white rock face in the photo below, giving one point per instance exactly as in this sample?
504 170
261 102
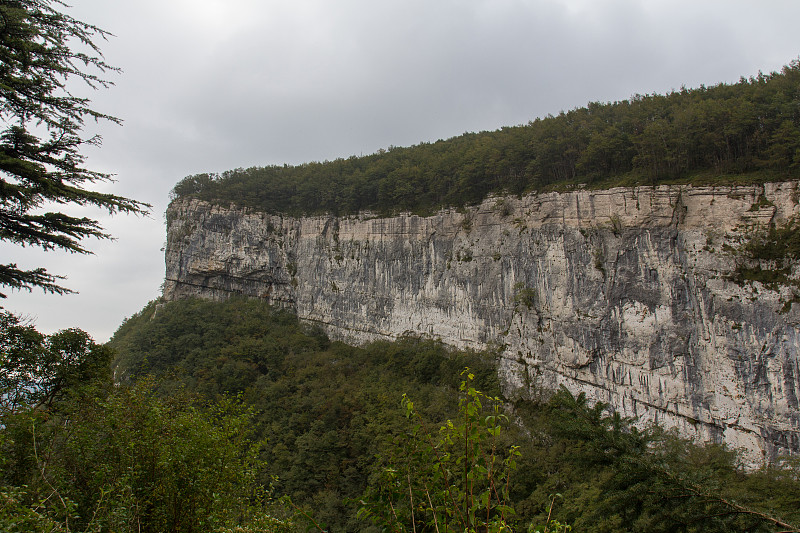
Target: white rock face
624 294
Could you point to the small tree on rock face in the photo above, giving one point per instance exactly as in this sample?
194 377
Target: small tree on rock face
40 140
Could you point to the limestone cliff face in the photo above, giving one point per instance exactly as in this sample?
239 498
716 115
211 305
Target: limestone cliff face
623 294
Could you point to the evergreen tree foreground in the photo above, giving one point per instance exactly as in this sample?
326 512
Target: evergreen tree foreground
43 52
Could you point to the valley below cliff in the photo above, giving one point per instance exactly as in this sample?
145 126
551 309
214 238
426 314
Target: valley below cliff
628 295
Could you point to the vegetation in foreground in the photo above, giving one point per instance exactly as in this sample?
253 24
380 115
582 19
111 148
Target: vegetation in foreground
78 453
42 51
221 407
217 406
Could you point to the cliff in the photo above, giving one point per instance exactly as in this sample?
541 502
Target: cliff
624 294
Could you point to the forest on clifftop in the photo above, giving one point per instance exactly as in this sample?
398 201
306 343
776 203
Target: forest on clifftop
729 133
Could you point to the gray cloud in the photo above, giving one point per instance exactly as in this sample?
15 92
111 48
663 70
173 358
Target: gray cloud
210 85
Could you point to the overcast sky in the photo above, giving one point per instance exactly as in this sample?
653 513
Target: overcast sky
210 85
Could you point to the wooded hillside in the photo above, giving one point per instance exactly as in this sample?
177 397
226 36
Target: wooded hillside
728 133
332 425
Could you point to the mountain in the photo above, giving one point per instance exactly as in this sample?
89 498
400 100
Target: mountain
660 300
643 252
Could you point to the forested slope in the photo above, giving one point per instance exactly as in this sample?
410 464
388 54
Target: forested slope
728 133
323 407
332 425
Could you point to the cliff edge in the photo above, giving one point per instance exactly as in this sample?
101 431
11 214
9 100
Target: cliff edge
625 294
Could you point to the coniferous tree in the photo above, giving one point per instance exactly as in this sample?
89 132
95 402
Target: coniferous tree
42 53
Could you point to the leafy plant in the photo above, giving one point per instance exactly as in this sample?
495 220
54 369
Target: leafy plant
322 405
551 525
524 295
769 256
455 479
338 440
36 370
616 224
132 461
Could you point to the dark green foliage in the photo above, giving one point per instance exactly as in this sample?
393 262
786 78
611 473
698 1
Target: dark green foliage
780 244
38 58
323 407
616 478
37 370
768 256
745 132
332 419
82 455
524 295
130 460
451 478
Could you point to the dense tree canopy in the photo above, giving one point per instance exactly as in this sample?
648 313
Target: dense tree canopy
42 53
249 402
339 439
79 454
36 370
748 131
324 407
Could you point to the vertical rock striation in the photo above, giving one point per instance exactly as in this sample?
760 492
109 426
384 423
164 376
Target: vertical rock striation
624 294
